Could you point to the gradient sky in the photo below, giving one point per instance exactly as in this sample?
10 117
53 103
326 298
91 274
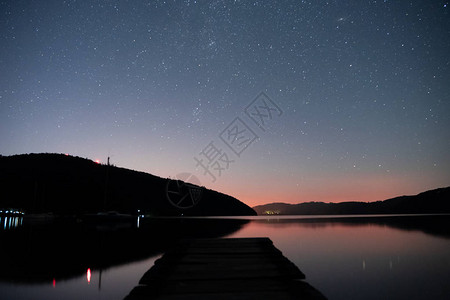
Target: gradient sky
356 102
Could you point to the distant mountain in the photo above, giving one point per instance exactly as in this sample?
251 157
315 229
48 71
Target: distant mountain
62 184
434 201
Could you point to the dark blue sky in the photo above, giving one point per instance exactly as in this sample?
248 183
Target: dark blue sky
356 99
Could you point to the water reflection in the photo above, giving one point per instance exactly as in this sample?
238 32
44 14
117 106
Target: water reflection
61 249
438 225
396 257
88 275
10 222
385 257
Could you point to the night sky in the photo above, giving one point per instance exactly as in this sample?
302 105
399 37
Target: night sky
289 102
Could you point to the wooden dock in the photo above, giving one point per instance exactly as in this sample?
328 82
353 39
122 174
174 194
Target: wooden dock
237 268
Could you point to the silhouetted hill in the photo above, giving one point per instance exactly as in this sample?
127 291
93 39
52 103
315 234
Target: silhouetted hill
71 185
434 201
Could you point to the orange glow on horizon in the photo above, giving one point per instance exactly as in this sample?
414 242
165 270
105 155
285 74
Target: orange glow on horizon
258 188
345 189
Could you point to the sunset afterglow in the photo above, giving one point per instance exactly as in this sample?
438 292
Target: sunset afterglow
267 102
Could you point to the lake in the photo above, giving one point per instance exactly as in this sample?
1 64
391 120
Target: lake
344 257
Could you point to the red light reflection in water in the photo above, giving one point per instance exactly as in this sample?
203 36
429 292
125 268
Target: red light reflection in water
88 275
54 282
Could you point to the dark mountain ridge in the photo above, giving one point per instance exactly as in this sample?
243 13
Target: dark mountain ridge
68 185
429 202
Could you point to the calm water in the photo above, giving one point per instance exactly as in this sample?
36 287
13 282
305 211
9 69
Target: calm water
401 257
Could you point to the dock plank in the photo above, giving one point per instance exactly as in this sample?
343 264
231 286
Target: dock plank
238 268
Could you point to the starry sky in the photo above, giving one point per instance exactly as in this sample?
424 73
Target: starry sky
286 101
